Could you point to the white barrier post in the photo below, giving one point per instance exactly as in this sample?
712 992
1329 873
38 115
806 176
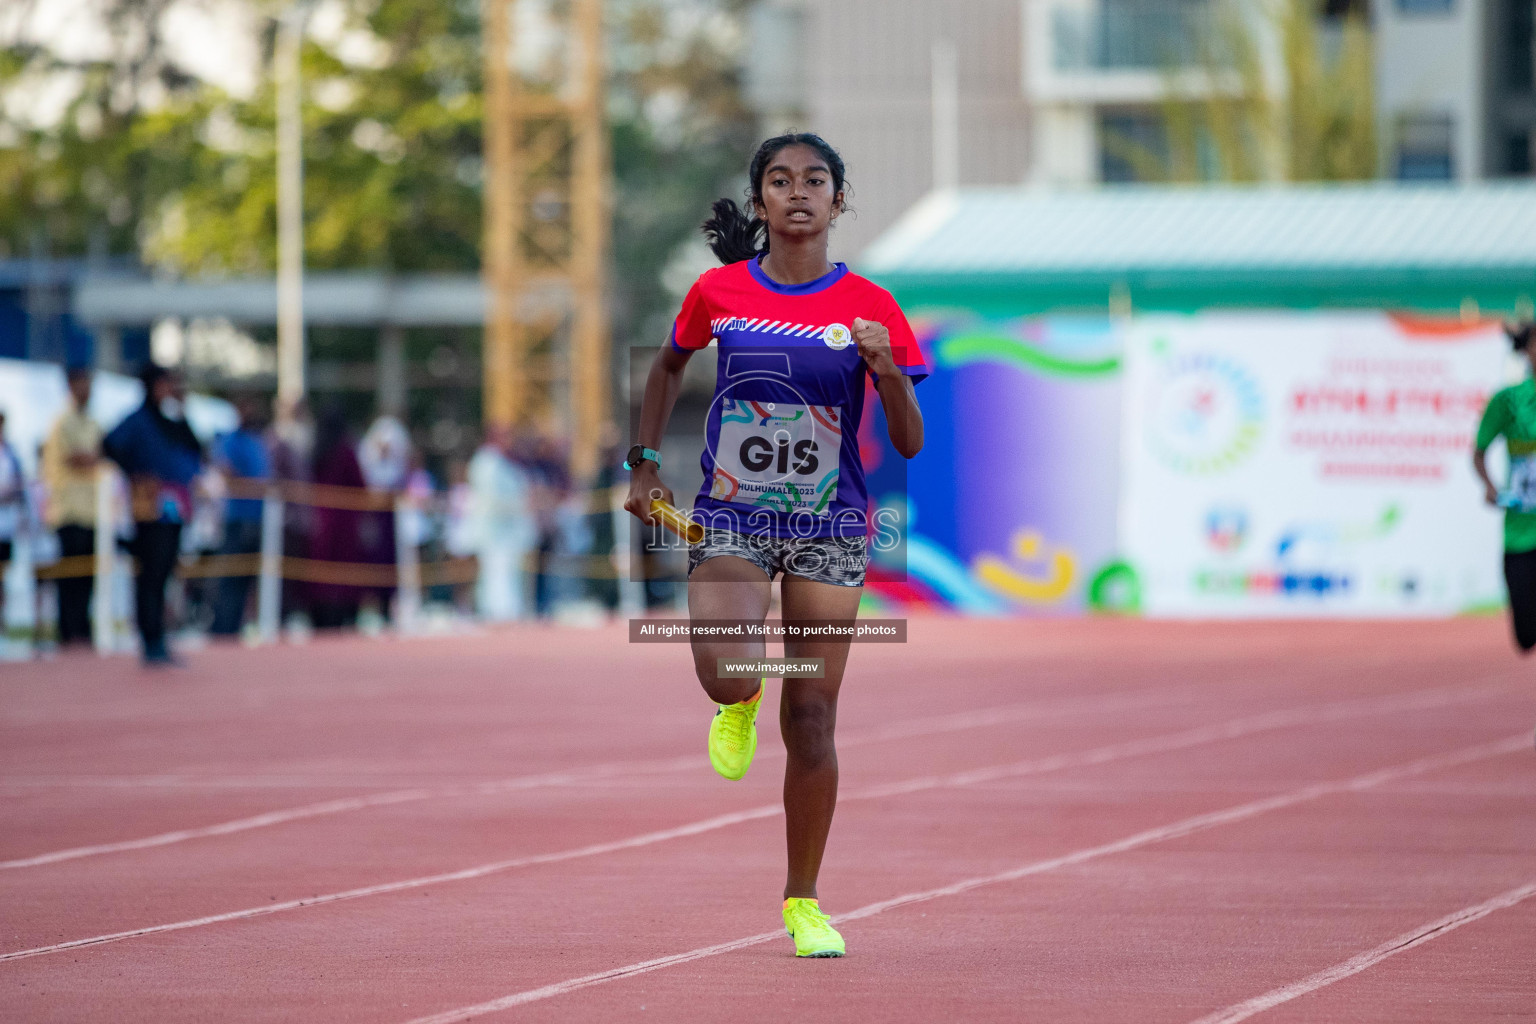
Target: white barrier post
103 624
269 586
631 588
407 568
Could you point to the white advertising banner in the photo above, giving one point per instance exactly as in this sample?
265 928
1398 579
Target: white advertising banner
1295 464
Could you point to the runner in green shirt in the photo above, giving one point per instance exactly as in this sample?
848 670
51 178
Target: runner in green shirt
1511 413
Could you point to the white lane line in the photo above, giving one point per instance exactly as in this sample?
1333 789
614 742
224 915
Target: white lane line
344 805
1095 756
168 781
1176 830
954 722
1354 965
896 730
479 871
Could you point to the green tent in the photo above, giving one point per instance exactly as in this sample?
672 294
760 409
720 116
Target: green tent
1421 248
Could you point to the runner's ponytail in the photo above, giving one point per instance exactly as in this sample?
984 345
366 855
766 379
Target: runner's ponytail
732 235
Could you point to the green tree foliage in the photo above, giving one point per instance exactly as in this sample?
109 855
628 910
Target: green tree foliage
154 163
1231 117
682 136
117 132
391 153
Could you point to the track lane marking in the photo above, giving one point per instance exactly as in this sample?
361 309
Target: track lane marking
1175 830
1364 961
1234 728
957 722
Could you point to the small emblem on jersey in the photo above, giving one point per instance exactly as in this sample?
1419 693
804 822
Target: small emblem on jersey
837 336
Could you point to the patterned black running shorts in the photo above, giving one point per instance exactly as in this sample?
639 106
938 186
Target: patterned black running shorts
841 561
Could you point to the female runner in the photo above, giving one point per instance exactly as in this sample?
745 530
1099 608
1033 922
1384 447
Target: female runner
783 482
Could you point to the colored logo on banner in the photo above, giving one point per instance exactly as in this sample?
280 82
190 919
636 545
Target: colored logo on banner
1041 575
1226 527
1204 415
1324 535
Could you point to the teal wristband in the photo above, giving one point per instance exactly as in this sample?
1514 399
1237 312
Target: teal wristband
639 453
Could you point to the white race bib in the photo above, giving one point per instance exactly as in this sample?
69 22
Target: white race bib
778 455
1522 483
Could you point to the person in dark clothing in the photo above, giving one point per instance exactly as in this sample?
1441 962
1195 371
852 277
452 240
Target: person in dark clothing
338 532
161 458
13 505
242 455
603 586
291 445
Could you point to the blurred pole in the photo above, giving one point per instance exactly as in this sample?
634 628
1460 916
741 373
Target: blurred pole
946 115
505 397
393 389
631 586
102 624
407 568
590 365
290 206
269 585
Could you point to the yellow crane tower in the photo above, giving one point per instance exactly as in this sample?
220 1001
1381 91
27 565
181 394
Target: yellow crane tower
547 188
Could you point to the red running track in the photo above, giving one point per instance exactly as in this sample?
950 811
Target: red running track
1094 821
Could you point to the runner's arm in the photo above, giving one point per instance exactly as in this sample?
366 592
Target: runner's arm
1494 421
662 385
1480 467
904 420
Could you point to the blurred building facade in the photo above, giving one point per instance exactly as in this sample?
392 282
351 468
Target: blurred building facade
869 75
1456 96
929 93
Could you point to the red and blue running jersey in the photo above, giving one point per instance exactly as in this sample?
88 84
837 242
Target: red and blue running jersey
781 452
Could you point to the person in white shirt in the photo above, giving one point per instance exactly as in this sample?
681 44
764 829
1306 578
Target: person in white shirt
502 526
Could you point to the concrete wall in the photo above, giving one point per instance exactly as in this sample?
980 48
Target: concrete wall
1432 63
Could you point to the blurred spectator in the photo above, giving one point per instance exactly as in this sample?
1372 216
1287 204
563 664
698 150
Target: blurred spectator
291 446
545 458
241 455
502 527
384 454
457 536
161 458
71 457
603 582
13 497
420 527
42 549
338 534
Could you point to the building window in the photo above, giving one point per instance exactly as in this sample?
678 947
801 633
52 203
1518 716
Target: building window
1424 148
1425 6
1133 146
1517 153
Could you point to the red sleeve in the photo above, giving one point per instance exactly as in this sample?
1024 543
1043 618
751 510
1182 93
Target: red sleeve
692 328
904 347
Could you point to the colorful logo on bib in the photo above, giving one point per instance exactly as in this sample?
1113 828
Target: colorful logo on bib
780 455
837 336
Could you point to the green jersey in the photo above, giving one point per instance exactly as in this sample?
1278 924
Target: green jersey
1512 414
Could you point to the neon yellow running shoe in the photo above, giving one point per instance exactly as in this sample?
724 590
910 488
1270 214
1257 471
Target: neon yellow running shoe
811 930
733 736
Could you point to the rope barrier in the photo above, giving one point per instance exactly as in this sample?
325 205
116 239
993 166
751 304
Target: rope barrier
363 499
316 570
406 575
